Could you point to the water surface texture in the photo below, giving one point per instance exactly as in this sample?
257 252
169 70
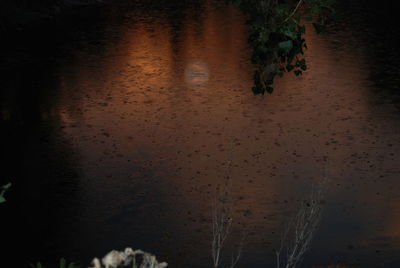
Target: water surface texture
117 130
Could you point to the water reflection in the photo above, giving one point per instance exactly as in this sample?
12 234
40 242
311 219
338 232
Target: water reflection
149 109
196 73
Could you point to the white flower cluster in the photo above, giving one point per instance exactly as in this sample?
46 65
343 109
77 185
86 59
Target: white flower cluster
115 259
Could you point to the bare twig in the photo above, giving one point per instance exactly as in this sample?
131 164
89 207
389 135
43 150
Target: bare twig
294 11
221 228
298 235
236 258
222 220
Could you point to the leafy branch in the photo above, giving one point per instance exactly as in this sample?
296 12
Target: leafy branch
276 35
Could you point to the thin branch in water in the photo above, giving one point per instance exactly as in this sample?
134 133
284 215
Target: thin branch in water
222 220
297 237
235 259
294 11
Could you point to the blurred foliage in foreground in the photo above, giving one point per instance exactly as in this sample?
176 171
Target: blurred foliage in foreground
63 264
277 28
3 190
128 258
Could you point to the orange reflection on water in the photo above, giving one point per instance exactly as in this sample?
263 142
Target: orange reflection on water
164 106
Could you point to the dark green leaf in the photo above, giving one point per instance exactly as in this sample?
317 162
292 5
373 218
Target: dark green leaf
286 46
38 265
7 186
308 18
289 67
319 28
63 263
298 72
291 34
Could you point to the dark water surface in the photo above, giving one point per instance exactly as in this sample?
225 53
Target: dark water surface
115 129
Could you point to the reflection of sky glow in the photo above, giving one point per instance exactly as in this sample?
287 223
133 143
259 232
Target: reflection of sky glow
196 73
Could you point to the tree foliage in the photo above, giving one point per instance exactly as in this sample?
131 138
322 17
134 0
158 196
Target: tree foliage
277 29
63 264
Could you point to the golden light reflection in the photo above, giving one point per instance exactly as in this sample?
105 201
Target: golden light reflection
196 73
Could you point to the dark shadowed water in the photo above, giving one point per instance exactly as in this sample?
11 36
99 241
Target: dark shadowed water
116 127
